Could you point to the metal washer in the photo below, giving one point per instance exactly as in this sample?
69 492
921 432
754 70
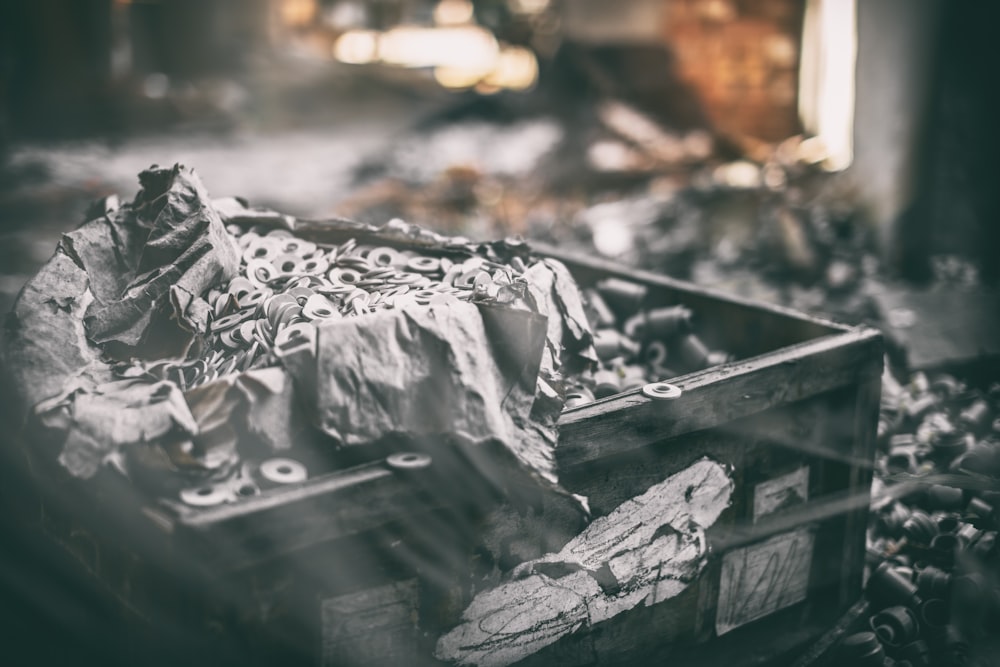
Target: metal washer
283 471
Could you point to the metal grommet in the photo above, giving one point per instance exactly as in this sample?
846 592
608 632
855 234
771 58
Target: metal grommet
297 246
286 263
314 266
292 333
318 307
253 299
301 294
384 256
260 249
283 471
661 390
423 264
240 287
260 272
205 496
230 321
408 461
247 489
344 276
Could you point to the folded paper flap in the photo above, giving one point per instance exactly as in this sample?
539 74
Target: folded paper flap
44 342
186 245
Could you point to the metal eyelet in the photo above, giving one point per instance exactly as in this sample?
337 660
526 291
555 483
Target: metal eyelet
662 390
283 471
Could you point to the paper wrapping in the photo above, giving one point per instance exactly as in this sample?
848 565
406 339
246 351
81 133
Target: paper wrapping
460 374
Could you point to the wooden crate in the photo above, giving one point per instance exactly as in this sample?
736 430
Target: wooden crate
369 565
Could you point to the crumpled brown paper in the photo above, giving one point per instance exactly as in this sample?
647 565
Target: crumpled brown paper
126 412
441 372
186 248
44 342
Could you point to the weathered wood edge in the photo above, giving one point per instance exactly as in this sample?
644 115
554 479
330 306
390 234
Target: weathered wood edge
866 413
719 395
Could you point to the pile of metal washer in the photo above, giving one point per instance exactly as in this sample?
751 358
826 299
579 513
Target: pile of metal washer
287 285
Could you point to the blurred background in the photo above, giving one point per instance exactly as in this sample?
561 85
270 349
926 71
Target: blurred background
837 156
803 139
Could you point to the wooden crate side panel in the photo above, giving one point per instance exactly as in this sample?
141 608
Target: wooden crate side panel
812 439
718 396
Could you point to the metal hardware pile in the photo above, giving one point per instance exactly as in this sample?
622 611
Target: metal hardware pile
637 345
934 590
287 285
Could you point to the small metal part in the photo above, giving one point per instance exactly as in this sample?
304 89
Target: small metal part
862 649
889 587
318 307
656 354
947 522
610 344
919 528
598 312
262 250
293 333
296 246
660 323
624 297
693 351
941 497
230 321
895 626
260 272
253 298
933 582
977 416
344 276
408 461
578 397
246 489
385 256
423 264
606 383
283 471
314 266
205 496
662 391
286 263
944 550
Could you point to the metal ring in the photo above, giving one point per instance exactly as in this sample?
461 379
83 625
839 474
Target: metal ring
318 307
298 247
285 263
662 390
408 461
384 256
424 264
260 272
283 471
301 330
205 496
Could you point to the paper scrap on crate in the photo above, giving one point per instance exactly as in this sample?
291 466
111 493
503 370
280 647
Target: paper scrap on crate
646 550
436 372
760 579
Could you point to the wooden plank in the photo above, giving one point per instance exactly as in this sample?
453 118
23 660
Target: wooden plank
859 485
330 508
718 395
